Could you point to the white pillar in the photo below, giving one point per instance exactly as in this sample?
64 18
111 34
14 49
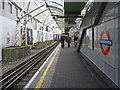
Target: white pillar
0 38
0 46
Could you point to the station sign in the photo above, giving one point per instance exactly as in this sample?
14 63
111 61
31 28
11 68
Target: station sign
70 24
107 42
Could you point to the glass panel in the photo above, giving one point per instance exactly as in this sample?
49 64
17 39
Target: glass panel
10 8
87 41
3 4
16 11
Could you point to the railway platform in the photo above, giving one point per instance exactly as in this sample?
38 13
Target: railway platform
31 55
65 68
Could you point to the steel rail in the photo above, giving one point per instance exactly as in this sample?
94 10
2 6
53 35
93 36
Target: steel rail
21 71
14 70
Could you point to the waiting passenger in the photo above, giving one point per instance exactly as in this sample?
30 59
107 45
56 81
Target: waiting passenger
75 40
68 40
62 40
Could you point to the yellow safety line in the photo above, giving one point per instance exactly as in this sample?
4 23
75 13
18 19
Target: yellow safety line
89 47
45 72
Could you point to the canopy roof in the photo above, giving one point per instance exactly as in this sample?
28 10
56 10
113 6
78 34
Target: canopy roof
72 11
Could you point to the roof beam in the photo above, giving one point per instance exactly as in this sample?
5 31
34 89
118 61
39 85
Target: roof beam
75 0
73 12
51 11
70 16
31 11
37 15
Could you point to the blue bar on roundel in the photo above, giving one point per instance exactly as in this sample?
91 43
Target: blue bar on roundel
105 42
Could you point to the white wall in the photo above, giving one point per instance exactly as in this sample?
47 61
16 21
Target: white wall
50 35
35 39
8 31
37 35
57 31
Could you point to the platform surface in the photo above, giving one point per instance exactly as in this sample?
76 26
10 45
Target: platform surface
67 71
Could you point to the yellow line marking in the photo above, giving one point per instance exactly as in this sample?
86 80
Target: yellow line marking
45 72
89 47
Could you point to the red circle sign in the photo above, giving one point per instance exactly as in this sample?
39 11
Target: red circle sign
105 52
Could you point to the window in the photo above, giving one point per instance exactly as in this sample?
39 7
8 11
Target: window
96 40
47 28
31 20
89 38
16 11
20 10
28 18
10 8
3 4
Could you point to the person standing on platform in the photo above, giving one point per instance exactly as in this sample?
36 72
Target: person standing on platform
68 40
75 40
62 40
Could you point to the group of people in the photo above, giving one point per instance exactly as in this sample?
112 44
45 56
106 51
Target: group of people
68 40
63 38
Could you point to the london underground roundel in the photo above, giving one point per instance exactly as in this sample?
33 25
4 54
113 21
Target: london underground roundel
107 42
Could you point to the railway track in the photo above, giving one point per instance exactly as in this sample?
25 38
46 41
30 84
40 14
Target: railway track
24 71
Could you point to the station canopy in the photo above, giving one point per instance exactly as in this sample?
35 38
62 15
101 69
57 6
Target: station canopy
53 11
65 11
42 11
50 13
72 10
